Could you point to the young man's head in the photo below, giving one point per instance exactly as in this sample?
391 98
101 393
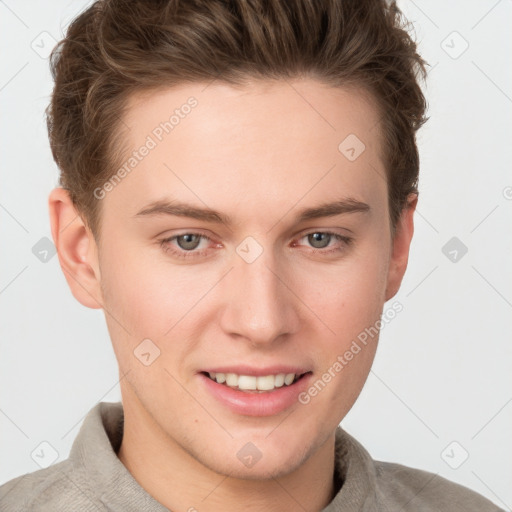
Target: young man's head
239 181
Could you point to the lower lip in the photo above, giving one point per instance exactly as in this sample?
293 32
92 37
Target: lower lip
256 404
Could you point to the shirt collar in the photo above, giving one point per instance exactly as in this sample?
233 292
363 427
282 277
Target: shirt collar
94 451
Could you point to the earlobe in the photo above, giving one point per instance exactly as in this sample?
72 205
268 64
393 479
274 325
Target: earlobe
400 248
76 249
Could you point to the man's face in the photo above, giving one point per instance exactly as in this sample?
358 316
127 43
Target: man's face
261 295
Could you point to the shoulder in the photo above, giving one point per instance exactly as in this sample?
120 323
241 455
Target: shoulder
374 485
414 489
60 487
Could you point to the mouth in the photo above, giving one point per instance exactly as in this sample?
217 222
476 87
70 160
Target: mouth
256 392
255 384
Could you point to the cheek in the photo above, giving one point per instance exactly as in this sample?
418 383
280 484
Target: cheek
350 296
349 301
150 297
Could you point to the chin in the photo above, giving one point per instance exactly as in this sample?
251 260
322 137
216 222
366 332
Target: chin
259 459
278 467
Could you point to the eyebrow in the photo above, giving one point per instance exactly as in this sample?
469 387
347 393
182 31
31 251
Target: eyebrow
177 208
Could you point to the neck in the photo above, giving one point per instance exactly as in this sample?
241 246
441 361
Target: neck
180 482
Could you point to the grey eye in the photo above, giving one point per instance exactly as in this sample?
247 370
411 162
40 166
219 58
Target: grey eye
190 240
315 239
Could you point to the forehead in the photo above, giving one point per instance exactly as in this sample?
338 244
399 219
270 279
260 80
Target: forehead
271 141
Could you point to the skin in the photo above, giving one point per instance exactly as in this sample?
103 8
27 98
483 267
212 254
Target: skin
258 153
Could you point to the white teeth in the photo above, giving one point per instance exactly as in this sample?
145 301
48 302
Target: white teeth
289 378
279 380
246 382
252 383
266 383
231 379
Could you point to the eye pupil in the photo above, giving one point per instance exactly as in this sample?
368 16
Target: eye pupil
315 238
191 241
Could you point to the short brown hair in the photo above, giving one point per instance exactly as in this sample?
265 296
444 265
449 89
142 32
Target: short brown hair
118 47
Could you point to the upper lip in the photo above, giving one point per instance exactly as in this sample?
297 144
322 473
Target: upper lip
258 372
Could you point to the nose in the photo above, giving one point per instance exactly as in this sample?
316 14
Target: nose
260 304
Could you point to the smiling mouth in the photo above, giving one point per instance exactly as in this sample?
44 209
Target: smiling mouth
253 384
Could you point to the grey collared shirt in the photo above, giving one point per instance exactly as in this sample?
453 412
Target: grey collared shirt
94 479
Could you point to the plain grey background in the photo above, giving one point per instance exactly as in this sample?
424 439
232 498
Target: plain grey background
439 394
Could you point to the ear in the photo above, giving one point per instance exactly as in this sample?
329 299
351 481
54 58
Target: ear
76 248
400 247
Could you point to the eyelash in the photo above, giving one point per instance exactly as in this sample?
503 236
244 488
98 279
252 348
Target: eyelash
180 253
